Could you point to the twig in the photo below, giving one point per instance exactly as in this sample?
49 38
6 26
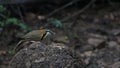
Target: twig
64 6
80 11
69 17
3 16
20 13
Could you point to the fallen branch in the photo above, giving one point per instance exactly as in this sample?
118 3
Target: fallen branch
80 11
67 32
20 13
64 6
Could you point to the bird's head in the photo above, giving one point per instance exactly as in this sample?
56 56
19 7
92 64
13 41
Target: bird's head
49 32
46 32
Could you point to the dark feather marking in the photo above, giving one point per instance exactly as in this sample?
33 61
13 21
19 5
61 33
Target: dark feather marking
43 36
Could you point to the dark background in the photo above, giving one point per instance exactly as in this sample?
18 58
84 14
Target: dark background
77 23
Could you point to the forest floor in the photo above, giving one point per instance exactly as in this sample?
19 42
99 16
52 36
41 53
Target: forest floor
95 35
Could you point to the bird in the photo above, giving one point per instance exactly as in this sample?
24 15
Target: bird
38 35
34 35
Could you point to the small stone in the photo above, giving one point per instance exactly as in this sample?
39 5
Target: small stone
118 39
112 44
115 65
88 53
116 31
98 36
95 41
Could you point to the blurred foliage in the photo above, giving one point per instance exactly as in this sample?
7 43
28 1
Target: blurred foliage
14 21
11 52
2 8
57 23
7 20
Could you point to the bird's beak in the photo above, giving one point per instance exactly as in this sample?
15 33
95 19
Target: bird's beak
49 32
52 33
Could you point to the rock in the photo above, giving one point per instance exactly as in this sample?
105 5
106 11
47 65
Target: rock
88 53
118 39
87 56
86 48
112 44
105 58
95 41
38 55
115 65
98 36
115 32
63 39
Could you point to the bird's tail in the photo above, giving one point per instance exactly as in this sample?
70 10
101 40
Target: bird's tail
18 46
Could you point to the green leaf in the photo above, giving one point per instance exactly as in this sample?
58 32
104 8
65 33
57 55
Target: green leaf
23 26
2 23
57 23
12 20
2 8
11 52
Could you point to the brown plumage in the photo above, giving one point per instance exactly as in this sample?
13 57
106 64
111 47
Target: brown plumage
35 35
